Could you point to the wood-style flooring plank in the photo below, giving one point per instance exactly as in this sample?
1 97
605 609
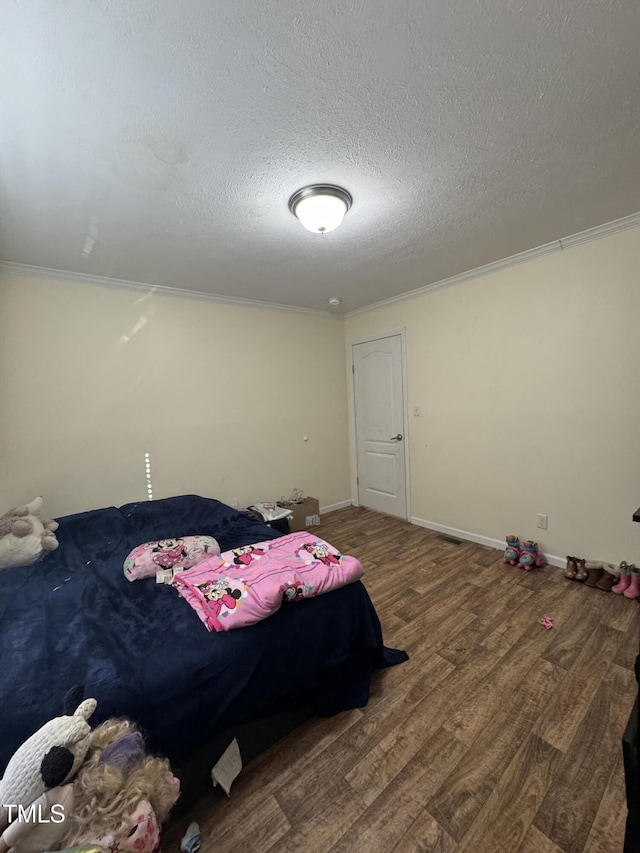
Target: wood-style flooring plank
421 635
309 783
413 786
323 827
573 698
382 825
480 706
577 631
382 764
574 797
425 835
426 768
505 818
629 643
609 823
537 842
462 795
225 830
620 618
455 645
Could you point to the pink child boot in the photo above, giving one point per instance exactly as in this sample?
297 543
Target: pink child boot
624 580
633 590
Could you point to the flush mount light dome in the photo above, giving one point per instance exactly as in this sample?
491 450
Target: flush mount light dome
320 207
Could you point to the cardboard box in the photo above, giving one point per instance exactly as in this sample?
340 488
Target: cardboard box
305 514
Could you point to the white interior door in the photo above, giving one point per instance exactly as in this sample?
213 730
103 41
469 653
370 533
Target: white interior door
380 427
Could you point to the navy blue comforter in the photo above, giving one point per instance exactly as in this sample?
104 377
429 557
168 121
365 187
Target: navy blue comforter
142 652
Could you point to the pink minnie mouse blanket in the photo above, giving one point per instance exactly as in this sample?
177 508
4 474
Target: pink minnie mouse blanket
243 586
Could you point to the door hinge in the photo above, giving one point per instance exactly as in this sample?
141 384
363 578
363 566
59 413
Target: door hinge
353 370
357 481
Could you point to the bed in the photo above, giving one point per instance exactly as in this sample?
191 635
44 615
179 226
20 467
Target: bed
143 653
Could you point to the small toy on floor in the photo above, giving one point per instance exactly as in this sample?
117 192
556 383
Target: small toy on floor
512 551
530 557
547 622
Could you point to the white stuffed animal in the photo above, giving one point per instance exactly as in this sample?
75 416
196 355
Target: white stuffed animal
50 757
24 538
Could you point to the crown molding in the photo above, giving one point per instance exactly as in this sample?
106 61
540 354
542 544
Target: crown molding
601 230
522 257
598 231
158 289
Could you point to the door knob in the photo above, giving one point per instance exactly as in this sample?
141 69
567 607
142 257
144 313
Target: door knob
397 437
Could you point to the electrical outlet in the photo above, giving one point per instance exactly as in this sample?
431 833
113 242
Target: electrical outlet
543 521
416 411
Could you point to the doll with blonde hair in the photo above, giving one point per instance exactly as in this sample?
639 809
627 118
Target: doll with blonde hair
121 794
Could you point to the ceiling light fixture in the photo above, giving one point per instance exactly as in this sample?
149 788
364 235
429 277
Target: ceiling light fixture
320 207
335 300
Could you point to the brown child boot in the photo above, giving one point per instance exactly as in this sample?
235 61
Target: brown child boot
570 571
581 572
595 572
607 581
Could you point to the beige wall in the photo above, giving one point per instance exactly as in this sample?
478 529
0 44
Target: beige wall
220 395
529 384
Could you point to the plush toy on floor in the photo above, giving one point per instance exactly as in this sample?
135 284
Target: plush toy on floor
49 758
24 538
530 558
512 551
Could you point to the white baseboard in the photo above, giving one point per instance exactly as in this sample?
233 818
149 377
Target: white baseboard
334 507
499 545
552 560
459 534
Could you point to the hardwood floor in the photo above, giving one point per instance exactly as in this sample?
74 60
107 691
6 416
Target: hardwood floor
497 734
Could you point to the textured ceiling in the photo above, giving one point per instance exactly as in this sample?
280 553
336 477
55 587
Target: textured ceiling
160 141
